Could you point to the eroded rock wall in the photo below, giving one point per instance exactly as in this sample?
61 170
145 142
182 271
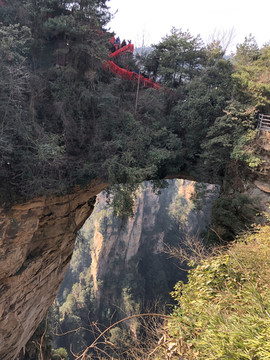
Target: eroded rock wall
117 243
122 247
36 245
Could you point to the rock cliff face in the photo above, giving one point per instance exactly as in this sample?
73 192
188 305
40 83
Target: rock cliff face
135 246
36 244
115 244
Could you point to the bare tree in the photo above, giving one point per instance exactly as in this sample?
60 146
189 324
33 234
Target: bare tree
224 38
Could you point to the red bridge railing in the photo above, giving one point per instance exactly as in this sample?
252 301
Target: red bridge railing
129 48
131 75
125 73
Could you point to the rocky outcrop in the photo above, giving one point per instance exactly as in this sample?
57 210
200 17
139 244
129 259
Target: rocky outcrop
117 242
36 245
119 247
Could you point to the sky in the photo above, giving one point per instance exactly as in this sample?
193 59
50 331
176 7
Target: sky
149 21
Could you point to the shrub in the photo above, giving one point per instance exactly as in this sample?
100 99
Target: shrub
223 311
60 354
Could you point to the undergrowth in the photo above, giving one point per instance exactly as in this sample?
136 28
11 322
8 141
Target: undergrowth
223 312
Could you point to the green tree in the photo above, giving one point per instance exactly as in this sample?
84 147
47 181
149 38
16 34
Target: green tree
202 101
233 133
15 127
223 136
252 74
176 58
46 122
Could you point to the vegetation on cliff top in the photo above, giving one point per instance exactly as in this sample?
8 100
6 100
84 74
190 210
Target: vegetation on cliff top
66 120
223 310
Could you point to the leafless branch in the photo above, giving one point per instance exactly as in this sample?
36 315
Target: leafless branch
83 356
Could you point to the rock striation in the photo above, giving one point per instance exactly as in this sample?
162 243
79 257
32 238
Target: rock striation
36 245
116 246
131 246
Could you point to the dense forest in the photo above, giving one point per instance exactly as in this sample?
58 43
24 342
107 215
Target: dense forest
66 119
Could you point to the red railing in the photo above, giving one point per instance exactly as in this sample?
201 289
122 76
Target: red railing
129 48
131 75
125 73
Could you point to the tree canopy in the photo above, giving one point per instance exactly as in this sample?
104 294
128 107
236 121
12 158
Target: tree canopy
66 120
177 58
